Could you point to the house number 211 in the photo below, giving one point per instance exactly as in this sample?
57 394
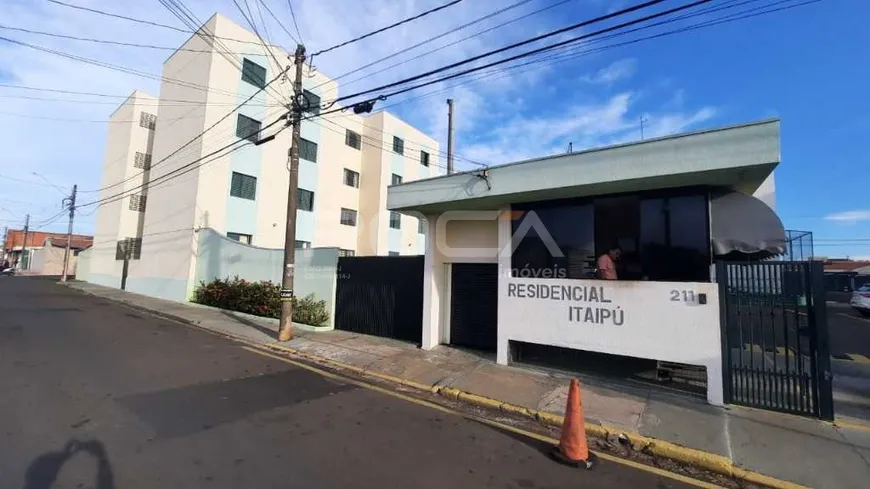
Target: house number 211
683 295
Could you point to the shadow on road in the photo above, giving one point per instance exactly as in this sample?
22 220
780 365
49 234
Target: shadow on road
247 322
43 471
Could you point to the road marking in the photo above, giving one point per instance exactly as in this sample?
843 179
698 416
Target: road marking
856 357
852 425
604 456
856 318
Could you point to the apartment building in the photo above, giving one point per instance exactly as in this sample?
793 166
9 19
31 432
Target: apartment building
162 183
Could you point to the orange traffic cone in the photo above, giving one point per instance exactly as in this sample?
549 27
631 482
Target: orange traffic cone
573 449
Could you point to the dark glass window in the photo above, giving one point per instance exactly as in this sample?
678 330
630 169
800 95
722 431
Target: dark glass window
348 217
663 237
312 102
243 186
352 139
397 179
253 74
398 145
304 200
308 150
395 220
424 158
247 128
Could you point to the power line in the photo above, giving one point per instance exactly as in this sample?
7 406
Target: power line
439 36
382 29
481 19
200 135
176 173
108 41
487 54
519 56
158 103
58 119
140 21
122 69
293 16
275 18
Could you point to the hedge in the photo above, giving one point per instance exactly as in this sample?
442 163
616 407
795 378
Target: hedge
260 299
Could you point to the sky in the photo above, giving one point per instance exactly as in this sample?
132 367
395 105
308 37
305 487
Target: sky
807 66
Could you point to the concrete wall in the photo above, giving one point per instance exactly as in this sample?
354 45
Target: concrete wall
220 257
48 260
83 267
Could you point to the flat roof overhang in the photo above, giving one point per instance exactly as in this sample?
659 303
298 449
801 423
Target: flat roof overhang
736 157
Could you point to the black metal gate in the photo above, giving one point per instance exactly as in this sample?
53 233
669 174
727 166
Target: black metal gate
775 336
381 296
474 305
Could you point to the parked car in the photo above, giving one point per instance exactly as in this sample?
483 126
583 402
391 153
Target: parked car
861 300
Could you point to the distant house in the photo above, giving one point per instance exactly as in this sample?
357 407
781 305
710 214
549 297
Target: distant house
22 255
48 260
844 275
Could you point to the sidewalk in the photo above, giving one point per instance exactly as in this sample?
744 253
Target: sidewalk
803 451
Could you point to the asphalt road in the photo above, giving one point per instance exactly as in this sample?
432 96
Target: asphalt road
97 395
849 332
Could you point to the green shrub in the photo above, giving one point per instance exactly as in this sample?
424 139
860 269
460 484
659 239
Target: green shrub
260 299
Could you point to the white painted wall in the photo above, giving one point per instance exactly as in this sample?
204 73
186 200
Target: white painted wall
637 319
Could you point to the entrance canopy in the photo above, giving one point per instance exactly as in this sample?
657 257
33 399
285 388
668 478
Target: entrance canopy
738 158
740 223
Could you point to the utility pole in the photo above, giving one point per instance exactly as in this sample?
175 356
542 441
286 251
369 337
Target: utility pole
449 136
71 200
285 326
642 120
24 243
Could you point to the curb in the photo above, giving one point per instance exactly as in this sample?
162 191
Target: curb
711 462
697 458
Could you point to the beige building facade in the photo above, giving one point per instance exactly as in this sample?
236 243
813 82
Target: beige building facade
220 180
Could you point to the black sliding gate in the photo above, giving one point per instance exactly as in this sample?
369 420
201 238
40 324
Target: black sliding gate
775 336
380 296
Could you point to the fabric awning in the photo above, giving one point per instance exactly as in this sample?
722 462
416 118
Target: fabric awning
740 223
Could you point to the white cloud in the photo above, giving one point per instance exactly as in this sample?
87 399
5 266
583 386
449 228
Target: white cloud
616 71
583 125
849 216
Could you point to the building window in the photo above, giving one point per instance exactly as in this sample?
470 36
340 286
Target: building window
130 247
253 74
344 252
304 200
308 150
351 178
243 186
241 238
398 145
421 226
303 245
424 158
312 102
142 160
247 128
148 121
137 202
397 179
352 139
348 217
393 253
395 220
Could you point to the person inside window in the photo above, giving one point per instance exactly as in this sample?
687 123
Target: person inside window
607 263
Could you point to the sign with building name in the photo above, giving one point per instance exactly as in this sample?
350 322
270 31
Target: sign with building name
585 304
667 321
